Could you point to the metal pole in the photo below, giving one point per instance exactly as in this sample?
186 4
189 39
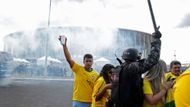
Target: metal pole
152 16
49 14
46 53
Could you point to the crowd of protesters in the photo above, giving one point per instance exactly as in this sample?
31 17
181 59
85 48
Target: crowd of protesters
160 87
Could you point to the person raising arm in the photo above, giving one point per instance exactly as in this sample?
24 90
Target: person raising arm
84 77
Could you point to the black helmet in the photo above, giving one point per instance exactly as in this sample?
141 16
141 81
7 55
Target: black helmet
130 54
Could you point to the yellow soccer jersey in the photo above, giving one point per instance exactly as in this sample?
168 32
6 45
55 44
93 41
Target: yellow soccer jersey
100 83
169 74
148 90
83 83
181 90
169 94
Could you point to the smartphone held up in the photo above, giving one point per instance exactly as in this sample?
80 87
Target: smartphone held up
62 39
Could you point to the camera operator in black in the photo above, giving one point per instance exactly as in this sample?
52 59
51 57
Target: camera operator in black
130 77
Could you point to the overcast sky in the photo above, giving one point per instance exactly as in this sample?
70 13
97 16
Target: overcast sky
173 16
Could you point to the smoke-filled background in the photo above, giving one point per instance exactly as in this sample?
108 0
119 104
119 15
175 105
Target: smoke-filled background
28 49
171 15
82 39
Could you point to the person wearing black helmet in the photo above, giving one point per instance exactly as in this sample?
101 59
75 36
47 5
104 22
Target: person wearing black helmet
131 54
130 77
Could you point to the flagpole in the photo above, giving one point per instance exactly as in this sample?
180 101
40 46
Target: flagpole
46 47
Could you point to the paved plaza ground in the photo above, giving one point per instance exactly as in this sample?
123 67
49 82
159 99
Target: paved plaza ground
37 93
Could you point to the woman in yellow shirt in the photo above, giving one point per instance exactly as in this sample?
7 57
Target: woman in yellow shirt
101 93
155 86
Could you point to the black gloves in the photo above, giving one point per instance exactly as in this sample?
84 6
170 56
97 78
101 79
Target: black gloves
157 35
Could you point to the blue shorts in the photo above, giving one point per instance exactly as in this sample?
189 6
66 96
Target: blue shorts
81 104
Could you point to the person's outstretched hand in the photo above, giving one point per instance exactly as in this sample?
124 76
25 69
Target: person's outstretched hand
168 84
63 40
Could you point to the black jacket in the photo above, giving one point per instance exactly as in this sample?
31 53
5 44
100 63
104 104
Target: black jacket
130 77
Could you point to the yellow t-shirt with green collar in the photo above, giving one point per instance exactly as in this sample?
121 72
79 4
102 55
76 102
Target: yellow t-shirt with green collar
83 83
99 85
148 90
170 102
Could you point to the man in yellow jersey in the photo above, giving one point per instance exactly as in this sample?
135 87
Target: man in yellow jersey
181 90
175 71
84 78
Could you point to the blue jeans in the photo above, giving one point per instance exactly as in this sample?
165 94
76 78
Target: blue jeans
81 104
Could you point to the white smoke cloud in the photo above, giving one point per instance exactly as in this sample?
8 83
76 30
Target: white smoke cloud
22 40
84 39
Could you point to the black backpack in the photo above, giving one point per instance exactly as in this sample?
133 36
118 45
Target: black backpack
120 97
115 84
